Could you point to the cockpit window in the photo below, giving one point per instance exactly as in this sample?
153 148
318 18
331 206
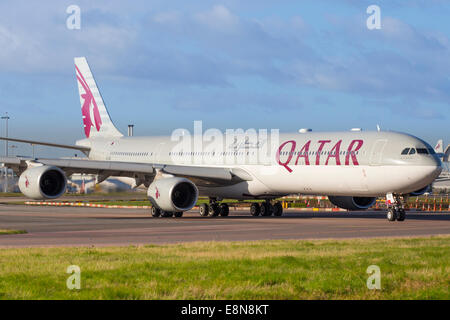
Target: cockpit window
418 150
422 151
405 151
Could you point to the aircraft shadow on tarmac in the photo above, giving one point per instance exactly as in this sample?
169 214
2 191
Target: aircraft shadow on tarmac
429 217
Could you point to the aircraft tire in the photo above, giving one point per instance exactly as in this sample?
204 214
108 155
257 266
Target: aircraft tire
166 214
266 209
277 209
401 215
156 212
204 209
255 209
391 214
224 210
214 210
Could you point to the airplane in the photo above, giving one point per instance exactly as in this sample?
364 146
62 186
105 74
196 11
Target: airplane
352 168
439 148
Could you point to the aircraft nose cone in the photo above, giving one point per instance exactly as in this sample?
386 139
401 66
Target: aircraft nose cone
434 168
431 168
437 170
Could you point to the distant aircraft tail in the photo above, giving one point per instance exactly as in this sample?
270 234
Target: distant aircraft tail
96 120
439 148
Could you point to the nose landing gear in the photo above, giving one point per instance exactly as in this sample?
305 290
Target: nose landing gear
396 209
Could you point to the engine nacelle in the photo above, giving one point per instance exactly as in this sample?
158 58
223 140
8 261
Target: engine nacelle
43 182
420 191
173 194
352 203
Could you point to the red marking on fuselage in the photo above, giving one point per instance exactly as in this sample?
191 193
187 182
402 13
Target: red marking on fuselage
352 153
304 152
319 151
291 153
334 153
157 194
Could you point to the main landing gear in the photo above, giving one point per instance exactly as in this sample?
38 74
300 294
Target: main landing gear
266 209
156 212
214 209
396 210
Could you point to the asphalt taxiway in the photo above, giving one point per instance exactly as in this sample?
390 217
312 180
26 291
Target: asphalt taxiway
67 226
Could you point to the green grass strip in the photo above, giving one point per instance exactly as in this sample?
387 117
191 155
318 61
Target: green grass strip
3 231
411 268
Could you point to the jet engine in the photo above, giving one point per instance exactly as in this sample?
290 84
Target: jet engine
352 203
43 182
173 194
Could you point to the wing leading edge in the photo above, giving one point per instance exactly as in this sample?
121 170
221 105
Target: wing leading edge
49 144
203 176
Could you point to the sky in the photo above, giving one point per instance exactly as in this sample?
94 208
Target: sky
161 65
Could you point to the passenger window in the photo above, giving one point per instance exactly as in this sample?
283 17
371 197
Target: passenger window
412 151
422 151
405 151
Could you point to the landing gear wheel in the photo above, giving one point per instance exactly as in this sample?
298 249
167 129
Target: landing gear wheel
178 214
255 209
391 214
166 214
266 209
156 212
224 210
204 210
277 209
214 210
401 215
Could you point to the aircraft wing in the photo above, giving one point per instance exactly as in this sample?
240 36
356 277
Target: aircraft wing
202 176
49 144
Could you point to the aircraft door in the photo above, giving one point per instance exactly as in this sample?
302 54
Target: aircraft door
376 155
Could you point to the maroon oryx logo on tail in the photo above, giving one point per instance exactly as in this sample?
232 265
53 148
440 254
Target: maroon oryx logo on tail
86 108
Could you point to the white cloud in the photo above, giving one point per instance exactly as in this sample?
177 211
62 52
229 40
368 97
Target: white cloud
219 18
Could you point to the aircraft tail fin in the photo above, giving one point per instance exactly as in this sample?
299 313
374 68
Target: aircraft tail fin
96 119
439 148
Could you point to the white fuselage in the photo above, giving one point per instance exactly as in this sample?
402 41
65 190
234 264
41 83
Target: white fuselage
318 163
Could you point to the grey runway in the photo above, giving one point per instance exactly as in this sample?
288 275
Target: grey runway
66 226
